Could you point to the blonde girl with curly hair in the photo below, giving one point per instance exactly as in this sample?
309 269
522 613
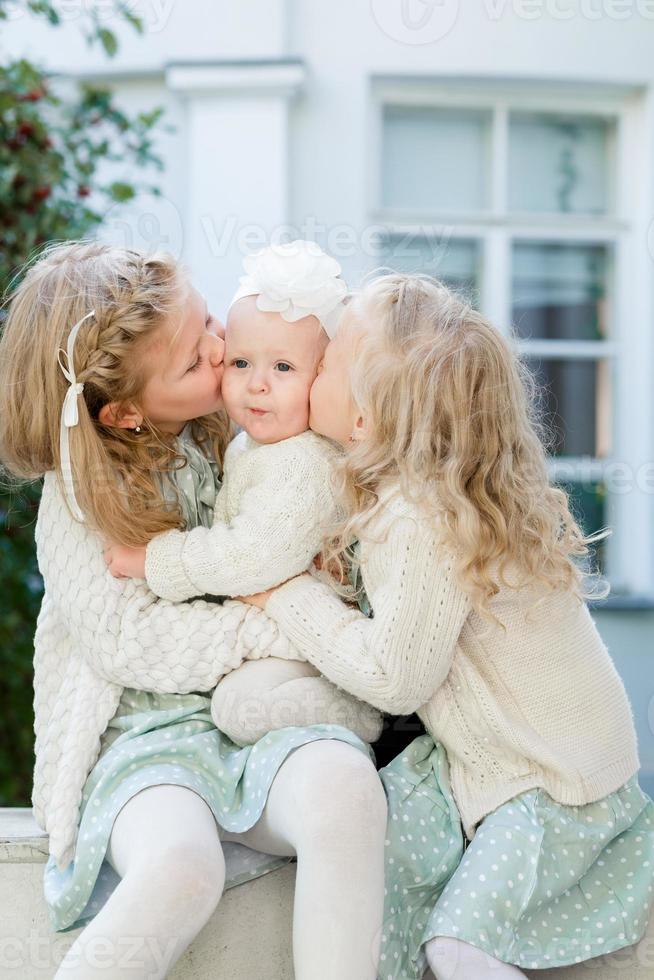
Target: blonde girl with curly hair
110 389
518 836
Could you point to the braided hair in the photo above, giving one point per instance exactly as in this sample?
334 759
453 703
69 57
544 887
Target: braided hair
116 471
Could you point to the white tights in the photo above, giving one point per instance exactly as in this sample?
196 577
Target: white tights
326 805
452 959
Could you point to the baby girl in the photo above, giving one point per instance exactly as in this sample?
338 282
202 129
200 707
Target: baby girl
276 499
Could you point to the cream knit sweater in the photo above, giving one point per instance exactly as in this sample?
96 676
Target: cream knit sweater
268 522
538 706
97 635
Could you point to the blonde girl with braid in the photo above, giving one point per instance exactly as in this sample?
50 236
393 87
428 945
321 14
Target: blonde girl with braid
110 390
518 836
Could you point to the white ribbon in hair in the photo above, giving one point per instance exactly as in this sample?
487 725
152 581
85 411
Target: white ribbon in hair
70 416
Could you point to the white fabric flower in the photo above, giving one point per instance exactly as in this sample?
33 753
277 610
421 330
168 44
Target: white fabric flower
296 279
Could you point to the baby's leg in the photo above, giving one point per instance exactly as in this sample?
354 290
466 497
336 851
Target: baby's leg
262 696
165 847
327 805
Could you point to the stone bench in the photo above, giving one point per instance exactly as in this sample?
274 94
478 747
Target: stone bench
247 938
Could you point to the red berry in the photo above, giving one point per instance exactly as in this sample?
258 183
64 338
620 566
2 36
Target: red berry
83 190
40 193
25 129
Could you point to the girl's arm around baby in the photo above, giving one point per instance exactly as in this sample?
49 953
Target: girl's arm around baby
128 635
397 659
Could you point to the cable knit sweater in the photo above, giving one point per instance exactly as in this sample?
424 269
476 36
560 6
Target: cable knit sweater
268 522
97 635
538 706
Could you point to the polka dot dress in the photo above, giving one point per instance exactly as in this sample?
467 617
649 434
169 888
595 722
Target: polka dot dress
157 739
540 885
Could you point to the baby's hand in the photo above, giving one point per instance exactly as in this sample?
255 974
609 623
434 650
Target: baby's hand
124 562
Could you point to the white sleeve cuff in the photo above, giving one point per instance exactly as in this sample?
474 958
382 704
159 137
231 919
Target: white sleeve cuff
164 568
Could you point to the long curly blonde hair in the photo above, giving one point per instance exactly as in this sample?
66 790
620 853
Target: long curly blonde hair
117 473
452 413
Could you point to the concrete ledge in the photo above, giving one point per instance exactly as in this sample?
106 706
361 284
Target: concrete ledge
247 938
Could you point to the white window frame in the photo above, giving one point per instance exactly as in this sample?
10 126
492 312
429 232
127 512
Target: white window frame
630 549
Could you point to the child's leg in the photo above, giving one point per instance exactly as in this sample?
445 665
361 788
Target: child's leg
166 848
451 959
327 805
262 696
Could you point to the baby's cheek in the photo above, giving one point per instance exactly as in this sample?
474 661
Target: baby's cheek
296 401
227 379
316 394
229 387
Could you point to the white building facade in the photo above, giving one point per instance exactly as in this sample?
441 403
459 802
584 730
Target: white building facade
504 145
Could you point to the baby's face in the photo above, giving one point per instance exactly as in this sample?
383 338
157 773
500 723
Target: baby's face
270 365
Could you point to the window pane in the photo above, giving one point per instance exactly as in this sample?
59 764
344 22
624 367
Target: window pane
559 291
576 401
588 503
558 164
434 159
455 261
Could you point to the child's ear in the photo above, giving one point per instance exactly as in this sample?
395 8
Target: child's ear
120 416
359 432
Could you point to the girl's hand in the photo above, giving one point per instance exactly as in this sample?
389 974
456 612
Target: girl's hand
124 562
259 600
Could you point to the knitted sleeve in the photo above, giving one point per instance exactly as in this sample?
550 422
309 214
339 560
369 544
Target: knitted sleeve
130 637
274 536
397 659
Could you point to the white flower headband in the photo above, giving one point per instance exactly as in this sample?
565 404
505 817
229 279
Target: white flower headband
295 280
70 416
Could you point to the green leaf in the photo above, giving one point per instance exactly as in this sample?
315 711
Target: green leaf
131 18
45 8
149 119
121 192
108 41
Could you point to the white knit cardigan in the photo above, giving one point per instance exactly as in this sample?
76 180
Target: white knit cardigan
271 511
540 705
97 635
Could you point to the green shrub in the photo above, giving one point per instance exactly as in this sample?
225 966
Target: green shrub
50 150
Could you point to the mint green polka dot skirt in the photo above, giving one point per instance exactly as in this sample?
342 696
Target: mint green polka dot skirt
157 739
540 885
